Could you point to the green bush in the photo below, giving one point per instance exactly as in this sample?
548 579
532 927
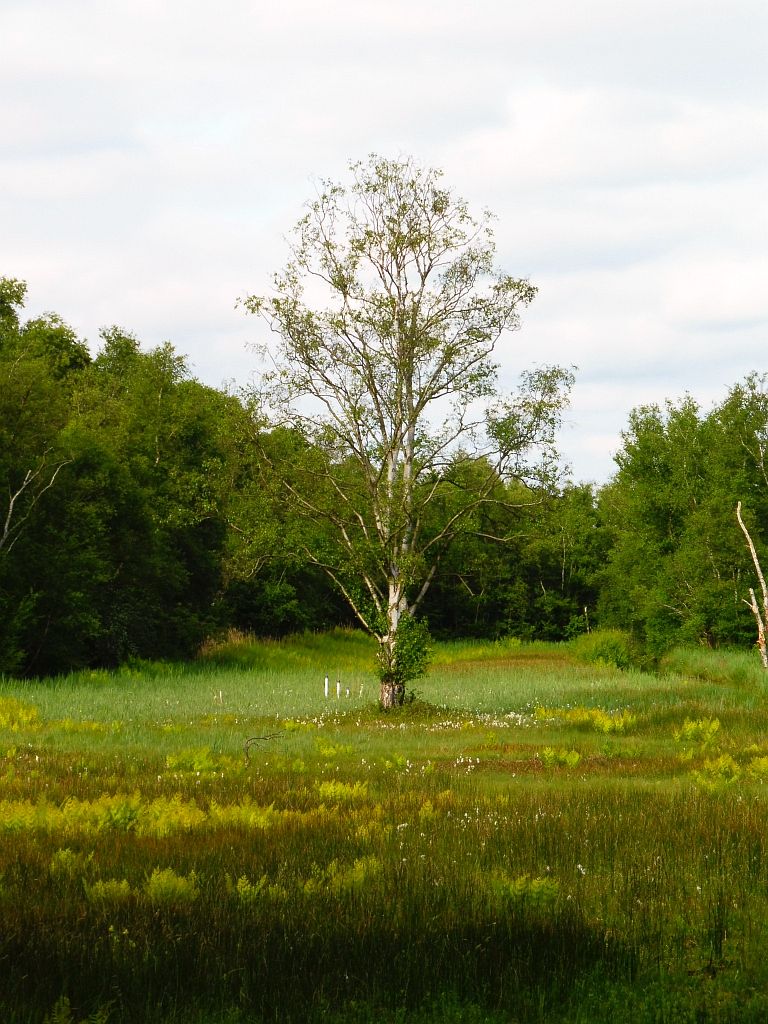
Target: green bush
610 647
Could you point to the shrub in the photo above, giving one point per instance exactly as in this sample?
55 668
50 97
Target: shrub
246 891
534 893
355 877
594 718
166 887
68 864
700 730
342 792
718 774
552 758
15 715
109 891
610 647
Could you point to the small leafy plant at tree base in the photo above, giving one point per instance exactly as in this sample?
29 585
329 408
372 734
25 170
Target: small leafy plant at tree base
404 661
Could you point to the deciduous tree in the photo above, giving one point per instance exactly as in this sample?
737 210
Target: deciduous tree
388 314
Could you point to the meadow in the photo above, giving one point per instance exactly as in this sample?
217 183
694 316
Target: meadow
538 836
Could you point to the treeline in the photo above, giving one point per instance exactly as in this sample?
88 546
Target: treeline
679 570
127 490
141 511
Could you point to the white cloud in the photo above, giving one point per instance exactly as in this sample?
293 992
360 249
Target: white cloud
153 156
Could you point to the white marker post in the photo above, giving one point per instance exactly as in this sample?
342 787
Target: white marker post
338 689
326 687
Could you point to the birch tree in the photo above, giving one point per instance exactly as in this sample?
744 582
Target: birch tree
388 315
761 615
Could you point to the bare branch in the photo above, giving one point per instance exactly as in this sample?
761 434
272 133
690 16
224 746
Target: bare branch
13 523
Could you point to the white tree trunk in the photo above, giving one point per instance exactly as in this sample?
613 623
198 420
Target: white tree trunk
761 619
391 692
760 627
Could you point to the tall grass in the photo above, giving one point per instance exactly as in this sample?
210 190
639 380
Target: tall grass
741 668
538 839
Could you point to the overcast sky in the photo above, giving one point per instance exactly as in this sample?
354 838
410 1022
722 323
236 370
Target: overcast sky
154 155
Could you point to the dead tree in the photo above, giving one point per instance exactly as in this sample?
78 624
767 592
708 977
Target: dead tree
760 618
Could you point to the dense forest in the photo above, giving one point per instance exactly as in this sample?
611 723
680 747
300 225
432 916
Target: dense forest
142 511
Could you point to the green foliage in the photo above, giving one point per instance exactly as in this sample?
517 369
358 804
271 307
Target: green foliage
719 774
701 730
166 887
679 569
406 311
342 792
335 651
119 545
16 715
610 647
410 655
109 892
531 893
595 718
145 513
246 891
539 583
116 469
552 758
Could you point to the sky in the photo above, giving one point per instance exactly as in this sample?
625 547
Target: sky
155 155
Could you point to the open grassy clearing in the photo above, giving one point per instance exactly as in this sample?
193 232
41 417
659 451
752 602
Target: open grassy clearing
534 839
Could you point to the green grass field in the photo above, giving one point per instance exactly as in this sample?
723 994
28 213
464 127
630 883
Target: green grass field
535 838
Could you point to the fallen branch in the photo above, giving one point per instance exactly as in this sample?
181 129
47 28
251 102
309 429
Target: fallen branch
256 739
